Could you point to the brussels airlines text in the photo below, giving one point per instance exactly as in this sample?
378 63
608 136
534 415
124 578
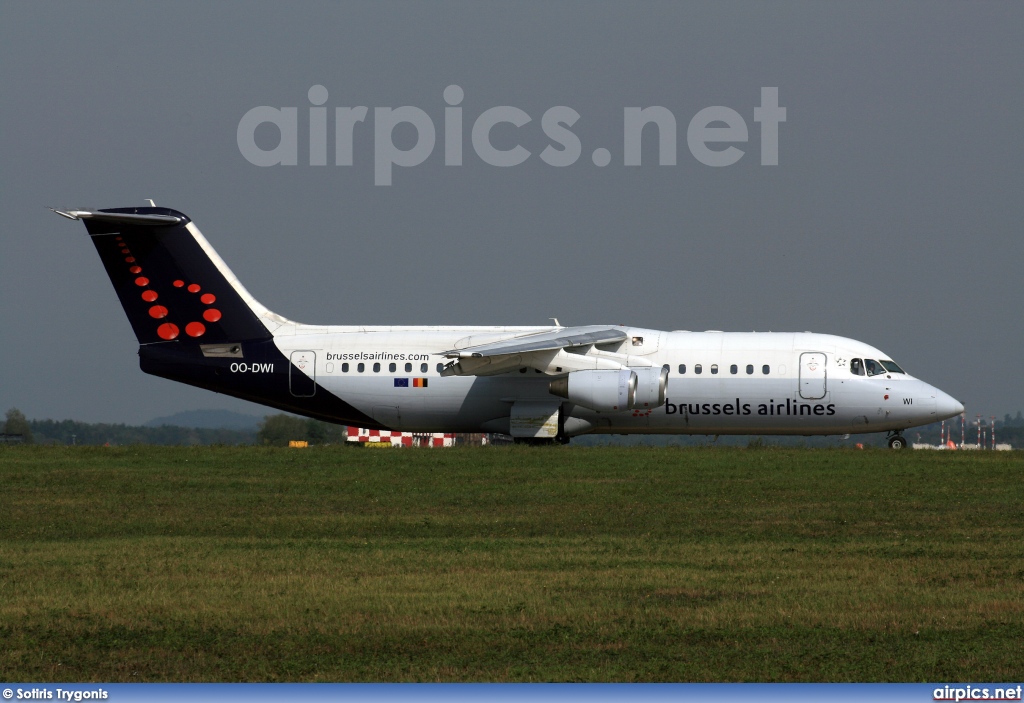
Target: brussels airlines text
736 407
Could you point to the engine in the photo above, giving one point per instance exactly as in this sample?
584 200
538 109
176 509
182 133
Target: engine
599 389
651 387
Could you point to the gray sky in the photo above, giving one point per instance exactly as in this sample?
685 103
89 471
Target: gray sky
893 217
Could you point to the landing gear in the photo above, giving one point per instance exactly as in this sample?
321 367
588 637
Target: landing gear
542 441
897 441
537 441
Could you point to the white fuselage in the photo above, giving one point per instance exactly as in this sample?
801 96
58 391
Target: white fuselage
719 382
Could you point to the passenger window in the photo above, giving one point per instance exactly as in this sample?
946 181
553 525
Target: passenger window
392 368
873 367
734 369
361 367
682 368
344 367
376 368
766 369
408 367
714 368
750 369
423 368
697 368
856 367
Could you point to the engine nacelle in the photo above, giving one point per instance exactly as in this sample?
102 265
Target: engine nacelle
605 390
651 387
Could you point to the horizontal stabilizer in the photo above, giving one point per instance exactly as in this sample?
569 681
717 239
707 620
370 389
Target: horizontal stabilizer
124 217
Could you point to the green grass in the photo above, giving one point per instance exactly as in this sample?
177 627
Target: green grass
509 564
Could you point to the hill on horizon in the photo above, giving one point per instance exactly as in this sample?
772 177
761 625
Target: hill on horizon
209 419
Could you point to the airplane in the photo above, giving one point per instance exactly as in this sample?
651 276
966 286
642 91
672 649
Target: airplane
196 324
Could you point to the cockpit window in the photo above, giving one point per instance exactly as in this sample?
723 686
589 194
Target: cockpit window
873 367
856 367
891 366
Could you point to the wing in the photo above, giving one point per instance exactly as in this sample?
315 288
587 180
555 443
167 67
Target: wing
565 338
541 351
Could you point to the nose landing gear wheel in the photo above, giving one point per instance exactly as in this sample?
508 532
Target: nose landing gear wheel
897 441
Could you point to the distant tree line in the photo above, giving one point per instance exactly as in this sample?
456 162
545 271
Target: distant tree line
16 426
278 430
1013 421
74 432
275 430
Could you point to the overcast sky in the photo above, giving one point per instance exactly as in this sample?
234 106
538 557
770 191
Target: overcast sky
893 216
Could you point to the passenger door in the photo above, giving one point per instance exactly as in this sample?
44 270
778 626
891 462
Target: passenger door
812 375
302 374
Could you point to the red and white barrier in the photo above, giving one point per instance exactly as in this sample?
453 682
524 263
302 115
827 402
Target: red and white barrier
401 439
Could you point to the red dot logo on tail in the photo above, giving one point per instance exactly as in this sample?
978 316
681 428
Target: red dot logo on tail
167 331
149 295
195 329
159 312
211 315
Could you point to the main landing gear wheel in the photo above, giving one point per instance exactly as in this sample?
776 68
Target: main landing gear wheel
897 441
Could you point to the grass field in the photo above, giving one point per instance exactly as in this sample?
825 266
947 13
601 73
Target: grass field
510 564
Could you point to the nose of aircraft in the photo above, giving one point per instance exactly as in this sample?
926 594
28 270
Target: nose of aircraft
946 405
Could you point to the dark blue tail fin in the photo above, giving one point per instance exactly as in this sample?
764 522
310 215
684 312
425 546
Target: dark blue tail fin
172 284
